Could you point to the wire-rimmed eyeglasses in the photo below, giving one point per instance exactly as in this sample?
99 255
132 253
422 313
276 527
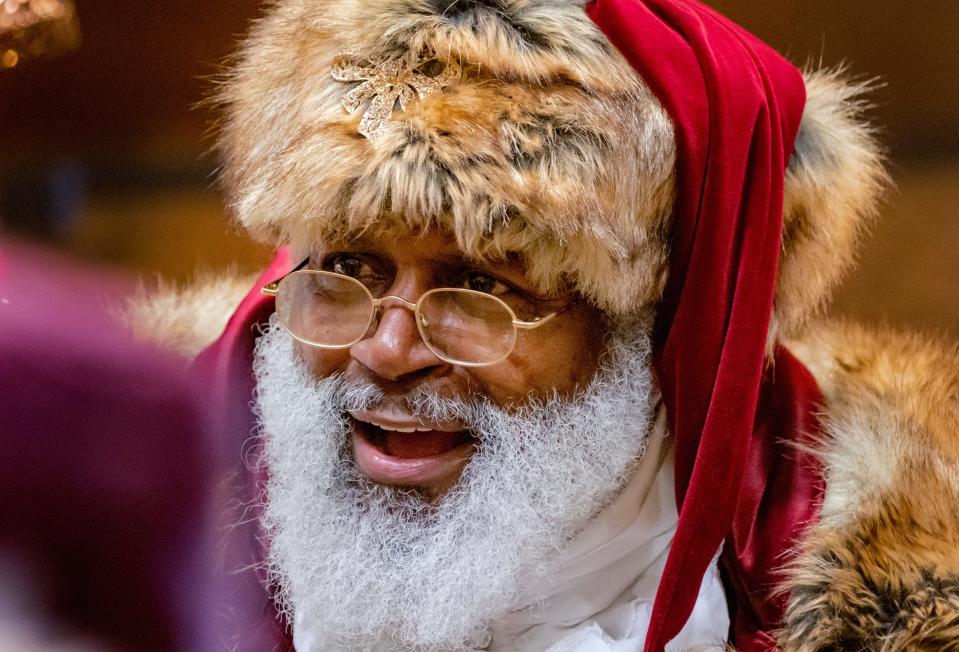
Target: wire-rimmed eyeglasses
458 325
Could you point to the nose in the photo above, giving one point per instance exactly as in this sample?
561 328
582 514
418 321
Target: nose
395 350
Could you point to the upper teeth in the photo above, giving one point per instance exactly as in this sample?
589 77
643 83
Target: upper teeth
396 429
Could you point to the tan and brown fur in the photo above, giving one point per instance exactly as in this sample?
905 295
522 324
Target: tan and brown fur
881 569
184 319
548 146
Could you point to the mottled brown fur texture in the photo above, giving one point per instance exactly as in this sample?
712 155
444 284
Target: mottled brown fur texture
881 569
548 146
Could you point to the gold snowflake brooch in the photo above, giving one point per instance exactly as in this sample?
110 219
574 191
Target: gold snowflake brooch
384 82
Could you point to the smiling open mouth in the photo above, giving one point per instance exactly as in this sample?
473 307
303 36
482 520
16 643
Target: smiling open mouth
410 455
412 443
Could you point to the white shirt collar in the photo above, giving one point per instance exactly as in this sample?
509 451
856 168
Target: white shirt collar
601 595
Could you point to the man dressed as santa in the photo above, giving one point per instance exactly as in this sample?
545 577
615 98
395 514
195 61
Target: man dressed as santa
537 365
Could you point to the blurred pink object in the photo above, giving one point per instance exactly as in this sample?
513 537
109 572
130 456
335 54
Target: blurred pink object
105 497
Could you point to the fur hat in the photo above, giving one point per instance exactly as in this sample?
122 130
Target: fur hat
519 130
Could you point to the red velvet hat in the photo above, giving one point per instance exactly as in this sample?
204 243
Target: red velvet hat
736 106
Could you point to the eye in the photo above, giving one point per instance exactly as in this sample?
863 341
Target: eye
485 283
364 269
348 265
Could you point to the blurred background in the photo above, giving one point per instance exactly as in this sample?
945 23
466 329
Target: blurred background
103 147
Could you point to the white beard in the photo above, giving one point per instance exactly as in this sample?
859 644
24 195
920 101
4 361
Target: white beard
375 567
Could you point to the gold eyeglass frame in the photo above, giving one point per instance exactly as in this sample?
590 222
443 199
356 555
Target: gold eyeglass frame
272 289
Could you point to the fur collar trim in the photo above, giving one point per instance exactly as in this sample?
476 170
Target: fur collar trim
881 569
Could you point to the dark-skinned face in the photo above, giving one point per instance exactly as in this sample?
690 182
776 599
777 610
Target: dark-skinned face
559 356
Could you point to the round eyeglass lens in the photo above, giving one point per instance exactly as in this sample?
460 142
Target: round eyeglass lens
468 327
322 308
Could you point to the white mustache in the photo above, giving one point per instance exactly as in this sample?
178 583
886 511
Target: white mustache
423 403
356 396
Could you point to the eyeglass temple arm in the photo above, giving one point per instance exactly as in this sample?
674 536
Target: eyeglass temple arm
270 288
539 321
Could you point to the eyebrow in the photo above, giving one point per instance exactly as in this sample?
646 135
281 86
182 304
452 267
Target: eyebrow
512 272
511 267
510 263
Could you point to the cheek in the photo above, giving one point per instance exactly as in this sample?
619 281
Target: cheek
322 362
563 360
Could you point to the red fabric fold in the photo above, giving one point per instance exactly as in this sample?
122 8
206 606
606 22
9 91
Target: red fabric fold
736 107
226 369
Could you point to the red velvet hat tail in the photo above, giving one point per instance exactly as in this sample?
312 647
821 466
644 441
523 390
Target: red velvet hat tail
736 106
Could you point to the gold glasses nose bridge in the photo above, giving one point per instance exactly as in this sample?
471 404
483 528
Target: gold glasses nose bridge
378 303
418 316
